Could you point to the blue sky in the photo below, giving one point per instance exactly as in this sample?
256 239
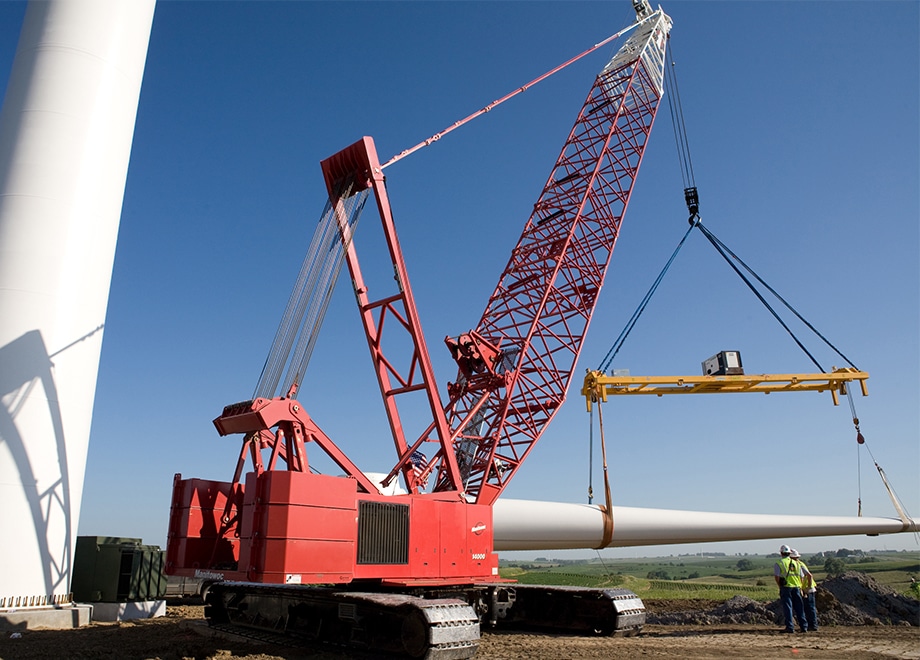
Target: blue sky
803 126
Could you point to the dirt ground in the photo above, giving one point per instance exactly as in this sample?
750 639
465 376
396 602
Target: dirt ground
182 634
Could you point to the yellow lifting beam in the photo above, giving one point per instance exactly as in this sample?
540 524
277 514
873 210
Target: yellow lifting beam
598 385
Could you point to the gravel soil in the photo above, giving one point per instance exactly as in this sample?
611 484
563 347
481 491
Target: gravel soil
867 628
182 634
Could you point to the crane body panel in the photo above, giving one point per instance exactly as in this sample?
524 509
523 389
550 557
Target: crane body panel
303 528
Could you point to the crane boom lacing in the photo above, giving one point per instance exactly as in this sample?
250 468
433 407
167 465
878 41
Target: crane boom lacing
537 317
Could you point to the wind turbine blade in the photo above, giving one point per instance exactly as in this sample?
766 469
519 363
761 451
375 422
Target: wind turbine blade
534 525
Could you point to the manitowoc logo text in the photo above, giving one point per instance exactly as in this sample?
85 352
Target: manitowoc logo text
208 575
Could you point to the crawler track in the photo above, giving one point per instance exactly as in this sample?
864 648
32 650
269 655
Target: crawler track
397 624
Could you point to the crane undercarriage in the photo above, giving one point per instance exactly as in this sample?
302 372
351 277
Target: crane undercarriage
437 623
297 557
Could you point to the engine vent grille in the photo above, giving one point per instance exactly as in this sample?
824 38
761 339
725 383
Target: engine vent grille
383 533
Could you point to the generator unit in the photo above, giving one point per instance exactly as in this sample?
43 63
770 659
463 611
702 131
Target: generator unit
117 570
724 363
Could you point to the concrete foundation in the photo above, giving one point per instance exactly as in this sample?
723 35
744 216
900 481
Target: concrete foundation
52 618
128 611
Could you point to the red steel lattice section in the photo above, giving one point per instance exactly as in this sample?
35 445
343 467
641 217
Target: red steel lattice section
541 308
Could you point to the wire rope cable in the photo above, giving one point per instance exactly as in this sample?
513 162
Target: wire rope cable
672 91
675 106
725 251
738 265
352 206
310 296
591 456
523 88
621 339
861 442
692 199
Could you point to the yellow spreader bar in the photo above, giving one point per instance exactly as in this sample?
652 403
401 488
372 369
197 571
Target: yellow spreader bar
598 386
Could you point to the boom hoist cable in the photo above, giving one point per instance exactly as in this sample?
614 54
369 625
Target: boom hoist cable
523 88
309 300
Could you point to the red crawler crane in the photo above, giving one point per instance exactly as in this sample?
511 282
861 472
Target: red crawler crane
415 573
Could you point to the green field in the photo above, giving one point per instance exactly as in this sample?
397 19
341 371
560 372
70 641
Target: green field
709 577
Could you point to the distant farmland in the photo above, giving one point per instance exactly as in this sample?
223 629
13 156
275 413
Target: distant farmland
710 577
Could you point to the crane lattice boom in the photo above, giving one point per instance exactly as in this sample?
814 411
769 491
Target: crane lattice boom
516 365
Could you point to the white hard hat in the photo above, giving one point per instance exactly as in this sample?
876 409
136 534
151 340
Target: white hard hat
794 553
784 550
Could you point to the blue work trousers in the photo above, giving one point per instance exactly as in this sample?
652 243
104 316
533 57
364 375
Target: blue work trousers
811 610
791 600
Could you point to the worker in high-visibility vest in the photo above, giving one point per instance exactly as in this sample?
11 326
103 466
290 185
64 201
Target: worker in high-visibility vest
809 591
788 575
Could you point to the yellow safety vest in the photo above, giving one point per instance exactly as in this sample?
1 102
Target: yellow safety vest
791 571
808 582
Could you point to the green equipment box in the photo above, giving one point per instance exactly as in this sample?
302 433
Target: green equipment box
117 570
